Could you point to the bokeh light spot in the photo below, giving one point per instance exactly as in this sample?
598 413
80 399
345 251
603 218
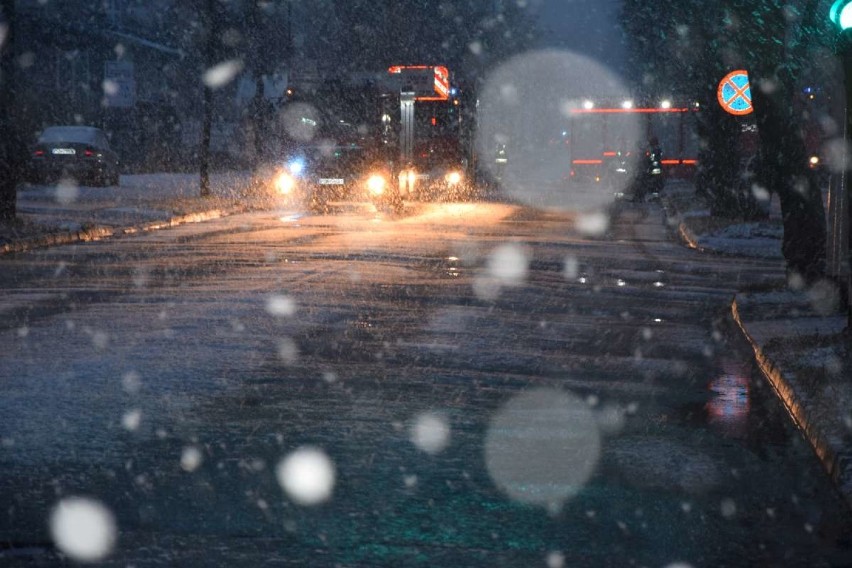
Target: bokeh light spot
430 432
307 475
83 529
542 446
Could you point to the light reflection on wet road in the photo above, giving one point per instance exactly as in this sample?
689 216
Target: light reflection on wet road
586 400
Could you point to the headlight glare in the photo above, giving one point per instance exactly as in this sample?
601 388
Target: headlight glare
453 178
376 184
296 166
285 183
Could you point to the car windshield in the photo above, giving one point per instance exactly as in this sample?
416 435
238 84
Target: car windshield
368 283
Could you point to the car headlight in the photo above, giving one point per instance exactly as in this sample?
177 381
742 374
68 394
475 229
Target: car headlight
453 178
285 183
376 184
407 178
296 166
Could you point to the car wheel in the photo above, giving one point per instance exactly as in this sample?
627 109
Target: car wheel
318 205
395 205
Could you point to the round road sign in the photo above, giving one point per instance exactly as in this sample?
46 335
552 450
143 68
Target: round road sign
734 93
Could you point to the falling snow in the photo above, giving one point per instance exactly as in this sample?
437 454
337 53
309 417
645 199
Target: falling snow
307 475
222 74
83 528
430 433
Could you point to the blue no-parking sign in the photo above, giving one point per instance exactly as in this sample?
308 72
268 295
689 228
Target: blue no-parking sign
734 93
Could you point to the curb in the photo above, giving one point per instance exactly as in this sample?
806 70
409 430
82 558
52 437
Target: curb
54 239
684 233
795 406
688 237
99 233
835 461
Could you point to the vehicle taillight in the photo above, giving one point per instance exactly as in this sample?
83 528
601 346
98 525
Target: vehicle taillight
38 153
88 152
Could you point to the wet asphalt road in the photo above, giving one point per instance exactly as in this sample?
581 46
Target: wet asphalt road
596 406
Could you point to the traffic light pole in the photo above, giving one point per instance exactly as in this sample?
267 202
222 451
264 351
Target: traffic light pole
841 16
840 209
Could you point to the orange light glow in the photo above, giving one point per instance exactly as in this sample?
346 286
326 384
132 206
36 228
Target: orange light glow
441 80
587 162
399 68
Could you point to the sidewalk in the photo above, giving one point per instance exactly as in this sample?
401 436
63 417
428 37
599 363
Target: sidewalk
797 334
51 215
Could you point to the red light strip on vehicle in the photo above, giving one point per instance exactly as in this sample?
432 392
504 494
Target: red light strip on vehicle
625 110
399 68
610 154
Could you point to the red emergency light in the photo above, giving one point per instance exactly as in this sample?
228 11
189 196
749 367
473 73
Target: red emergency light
586 162
626 110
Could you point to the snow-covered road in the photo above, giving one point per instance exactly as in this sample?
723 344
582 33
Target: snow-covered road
480 383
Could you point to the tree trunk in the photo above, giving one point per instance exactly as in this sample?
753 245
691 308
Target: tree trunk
207 121
12 150
785 171
776 60
259 120
719 161
204 157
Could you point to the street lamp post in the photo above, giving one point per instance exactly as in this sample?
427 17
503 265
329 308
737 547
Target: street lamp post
841 16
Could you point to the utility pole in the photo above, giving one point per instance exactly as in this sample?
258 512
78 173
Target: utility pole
11 158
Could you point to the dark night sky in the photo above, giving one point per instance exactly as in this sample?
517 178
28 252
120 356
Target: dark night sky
588 27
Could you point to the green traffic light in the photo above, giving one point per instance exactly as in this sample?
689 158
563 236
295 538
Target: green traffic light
841 14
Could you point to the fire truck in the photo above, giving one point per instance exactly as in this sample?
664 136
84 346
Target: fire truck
423 117
605 135
394 137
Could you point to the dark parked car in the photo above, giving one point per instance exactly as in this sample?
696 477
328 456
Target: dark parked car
78 152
